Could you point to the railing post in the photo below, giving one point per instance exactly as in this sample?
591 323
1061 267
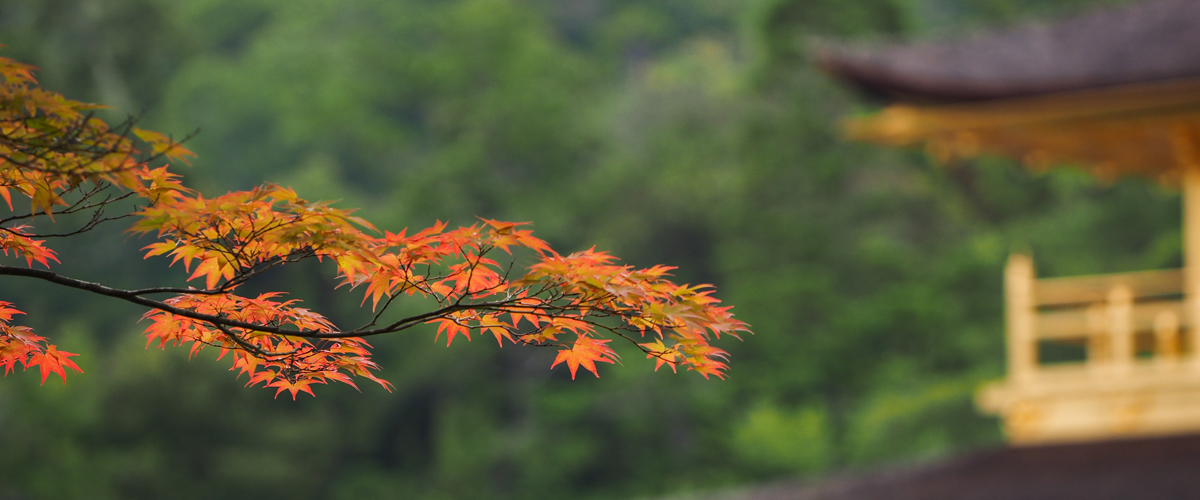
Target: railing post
1120 327
1166 337
1099 354
1186 154
1191 257
1022 340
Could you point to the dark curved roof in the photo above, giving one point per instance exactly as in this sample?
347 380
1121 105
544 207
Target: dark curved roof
1149 41
1166 468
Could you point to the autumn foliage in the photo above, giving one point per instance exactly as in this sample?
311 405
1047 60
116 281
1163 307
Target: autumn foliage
64 161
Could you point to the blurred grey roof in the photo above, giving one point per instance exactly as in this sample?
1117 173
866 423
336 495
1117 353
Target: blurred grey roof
1162 468
1149 41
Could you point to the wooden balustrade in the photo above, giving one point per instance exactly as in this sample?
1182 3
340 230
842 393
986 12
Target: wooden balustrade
1105 313
1135 378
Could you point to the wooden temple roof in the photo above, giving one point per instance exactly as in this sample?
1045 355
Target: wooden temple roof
1145 42
1116 91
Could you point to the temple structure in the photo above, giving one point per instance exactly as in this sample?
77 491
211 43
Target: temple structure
1116 92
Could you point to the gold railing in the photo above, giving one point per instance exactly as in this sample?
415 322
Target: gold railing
1136 363
1122 320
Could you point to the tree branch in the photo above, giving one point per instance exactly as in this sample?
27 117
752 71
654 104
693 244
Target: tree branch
136 297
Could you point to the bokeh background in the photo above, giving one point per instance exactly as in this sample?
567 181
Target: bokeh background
694 133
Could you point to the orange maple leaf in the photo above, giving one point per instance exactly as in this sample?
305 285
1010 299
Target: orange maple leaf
586 351
452 327
301 384
662 353
53 361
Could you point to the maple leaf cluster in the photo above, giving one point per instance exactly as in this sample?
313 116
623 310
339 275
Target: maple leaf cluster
68 162
19 345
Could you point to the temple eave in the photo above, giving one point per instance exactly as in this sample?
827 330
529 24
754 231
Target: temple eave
1091 128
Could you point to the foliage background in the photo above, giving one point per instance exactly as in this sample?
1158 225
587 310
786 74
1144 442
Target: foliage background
689 132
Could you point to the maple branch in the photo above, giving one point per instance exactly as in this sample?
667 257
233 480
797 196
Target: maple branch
67 162
136 297
378 314
73 208
70 139
96 219
248 347
243 274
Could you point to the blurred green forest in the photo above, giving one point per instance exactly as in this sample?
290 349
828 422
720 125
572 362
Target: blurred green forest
694 133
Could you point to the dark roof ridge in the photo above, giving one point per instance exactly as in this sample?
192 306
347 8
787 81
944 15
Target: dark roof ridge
1134 468
1143 42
